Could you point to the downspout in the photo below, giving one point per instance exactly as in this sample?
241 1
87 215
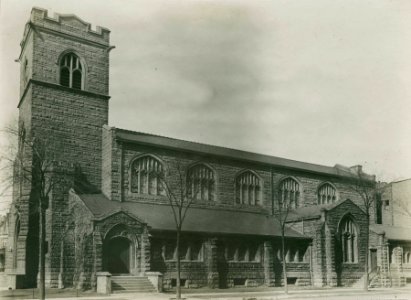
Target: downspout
121 172
272 190
311 264
302 230
392 205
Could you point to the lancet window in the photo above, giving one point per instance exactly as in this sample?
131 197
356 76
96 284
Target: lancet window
201 183
146 176
289 193
326 194
248 189
71 71
349 241
407 255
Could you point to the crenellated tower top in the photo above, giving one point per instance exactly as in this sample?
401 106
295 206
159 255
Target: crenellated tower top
53 48
69 23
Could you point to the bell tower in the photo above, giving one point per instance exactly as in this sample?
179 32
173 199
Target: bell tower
64 95
64 86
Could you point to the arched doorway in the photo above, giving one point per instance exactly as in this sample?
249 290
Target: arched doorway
118 255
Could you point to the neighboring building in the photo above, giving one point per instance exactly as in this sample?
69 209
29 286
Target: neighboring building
394 204
391 238
3 248
110 213
3 240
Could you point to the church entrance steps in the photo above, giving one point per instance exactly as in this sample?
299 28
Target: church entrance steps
132 284
303 282
375 279
356 283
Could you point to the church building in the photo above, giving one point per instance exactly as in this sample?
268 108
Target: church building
109 212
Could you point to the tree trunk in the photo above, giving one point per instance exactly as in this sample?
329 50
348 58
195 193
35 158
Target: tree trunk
178 287
284 263
60 283
42 264
367 240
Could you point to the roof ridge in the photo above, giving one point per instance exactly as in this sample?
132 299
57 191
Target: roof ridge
222 147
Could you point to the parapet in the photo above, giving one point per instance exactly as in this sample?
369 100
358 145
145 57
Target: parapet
69 24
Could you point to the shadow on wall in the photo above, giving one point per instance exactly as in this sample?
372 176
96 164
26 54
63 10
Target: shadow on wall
81 184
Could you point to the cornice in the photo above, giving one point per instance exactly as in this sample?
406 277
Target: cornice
60 87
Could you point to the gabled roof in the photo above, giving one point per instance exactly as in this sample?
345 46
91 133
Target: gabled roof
393 233
313 211
181 145
200 220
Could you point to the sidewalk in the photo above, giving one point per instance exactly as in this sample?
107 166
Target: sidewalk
231 294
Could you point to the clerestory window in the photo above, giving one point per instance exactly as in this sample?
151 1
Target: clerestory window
326 194
146 175
71 71
289 193
248 189
201 183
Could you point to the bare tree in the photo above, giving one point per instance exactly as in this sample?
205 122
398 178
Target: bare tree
365 186
32 164
180 199
401 200
284 205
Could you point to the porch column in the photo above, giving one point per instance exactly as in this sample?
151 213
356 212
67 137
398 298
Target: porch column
384 260
97 258
396 267
318 260
330 257
212 271
268 264
145 251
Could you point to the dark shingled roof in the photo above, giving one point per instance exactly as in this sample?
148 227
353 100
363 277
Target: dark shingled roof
310 212
304 213
393 233
217 221
166 142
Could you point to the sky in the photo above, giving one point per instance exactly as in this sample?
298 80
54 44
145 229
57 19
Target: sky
321 81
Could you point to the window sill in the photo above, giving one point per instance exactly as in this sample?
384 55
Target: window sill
243 262
183 260
146 195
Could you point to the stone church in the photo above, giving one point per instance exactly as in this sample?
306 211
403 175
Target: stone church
110 214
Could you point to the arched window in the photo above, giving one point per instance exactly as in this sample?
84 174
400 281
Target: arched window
200 183
71 71
146 175
407 256
289 193
248 189
349 241
326 194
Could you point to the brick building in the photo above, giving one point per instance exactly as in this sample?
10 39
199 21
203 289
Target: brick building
390 248
111 212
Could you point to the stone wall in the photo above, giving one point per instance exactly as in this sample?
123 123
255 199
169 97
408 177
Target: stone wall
79 257
226 170
349 272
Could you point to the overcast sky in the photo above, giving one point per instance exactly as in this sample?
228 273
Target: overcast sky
318 81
